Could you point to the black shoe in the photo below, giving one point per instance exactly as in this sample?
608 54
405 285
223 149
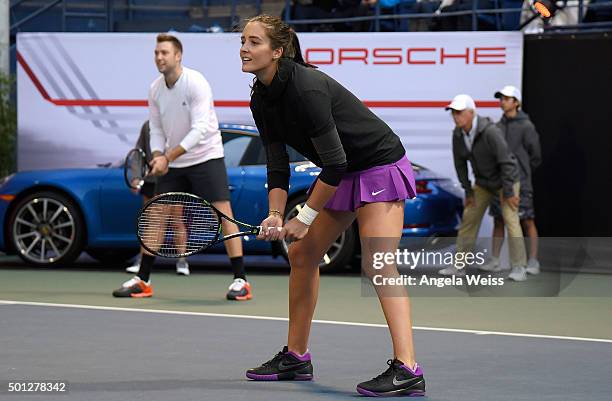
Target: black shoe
286 365
398 380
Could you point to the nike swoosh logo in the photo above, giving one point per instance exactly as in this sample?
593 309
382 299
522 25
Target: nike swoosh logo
397 382
377 192
282 367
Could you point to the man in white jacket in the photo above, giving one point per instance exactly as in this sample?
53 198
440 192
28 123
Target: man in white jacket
187 155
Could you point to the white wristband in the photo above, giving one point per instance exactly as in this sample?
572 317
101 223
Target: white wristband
307 214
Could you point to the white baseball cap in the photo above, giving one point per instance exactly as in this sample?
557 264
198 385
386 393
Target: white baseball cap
462 102
510 91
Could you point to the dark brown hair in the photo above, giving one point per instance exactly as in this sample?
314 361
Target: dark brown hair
165 37
281 35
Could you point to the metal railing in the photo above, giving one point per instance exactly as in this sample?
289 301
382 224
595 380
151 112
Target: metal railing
106 14
107 8
376 17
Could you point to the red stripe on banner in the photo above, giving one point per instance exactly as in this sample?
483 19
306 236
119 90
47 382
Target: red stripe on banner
33 77
224 103
95 102
232 103
423 104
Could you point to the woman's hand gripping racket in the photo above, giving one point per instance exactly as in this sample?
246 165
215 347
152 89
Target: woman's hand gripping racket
178 224
135 169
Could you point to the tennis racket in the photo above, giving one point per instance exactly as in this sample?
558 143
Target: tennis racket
135 168
178 224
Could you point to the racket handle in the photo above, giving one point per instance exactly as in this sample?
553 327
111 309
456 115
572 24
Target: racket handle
259 228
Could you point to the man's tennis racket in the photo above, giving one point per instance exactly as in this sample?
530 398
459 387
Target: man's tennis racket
135 168
178 224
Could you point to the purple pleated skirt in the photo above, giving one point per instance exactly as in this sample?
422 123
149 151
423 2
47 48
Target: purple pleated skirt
388 183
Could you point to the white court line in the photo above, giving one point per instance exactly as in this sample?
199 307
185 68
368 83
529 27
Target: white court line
284 319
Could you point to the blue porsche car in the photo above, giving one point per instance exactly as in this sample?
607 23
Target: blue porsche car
50 217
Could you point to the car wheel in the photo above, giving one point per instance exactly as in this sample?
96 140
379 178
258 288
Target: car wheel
341 252
113 256
46 229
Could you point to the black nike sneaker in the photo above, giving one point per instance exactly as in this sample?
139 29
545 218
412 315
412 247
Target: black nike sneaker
398 380
286 365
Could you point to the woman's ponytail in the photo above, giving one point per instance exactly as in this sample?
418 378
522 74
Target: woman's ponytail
296 49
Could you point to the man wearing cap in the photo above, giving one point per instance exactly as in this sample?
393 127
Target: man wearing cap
477 140
523 141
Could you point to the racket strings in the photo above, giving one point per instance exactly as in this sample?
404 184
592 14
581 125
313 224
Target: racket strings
175 225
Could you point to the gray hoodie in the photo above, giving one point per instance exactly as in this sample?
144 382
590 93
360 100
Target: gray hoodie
493 164
523 141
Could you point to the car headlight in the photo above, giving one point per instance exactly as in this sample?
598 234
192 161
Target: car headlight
6 179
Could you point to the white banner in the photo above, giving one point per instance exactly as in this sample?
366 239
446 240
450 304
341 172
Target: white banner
82 97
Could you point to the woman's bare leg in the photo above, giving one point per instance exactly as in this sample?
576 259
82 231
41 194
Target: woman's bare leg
380 229
304 258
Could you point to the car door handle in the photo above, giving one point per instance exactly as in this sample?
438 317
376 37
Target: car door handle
231 188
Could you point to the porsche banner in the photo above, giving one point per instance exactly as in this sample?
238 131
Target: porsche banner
82 96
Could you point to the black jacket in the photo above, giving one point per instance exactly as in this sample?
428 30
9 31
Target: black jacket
311 112
493 164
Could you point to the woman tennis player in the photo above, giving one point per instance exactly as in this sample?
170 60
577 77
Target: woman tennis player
365 175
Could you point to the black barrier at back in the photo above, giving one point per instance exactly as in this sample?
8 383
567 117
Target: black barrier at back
567 91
